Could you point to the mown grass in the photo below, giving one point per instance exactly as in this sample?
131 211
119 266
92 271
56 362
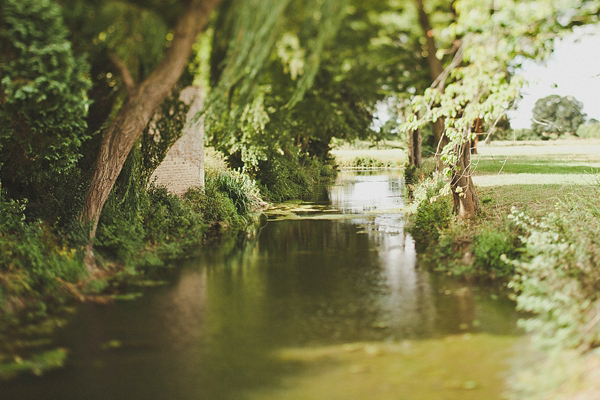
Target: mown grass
531 165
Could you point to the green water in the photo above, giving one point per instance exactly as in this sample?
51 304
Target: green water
327 302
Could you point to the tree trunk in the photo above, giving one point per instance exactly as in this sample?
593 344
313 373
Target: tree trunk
142 101
477 129
414 148
440 141
464 197
435 69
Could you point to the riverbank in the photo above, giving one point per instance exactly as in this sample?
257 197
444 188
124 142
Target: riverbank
43 277
324 295
142 233
537 232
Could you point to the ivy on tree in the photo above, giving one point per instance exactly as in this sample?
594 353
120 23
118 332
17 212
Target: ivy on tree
492 38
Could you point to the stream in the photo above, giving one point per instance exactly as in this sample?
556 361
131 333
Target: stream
327 302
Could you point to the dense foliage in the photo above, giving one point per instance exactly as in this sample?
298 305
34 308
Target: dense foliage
590 130
558 277
43 98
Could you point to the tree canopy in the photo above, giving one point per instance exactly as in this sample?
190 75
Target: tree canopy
283 77
557 115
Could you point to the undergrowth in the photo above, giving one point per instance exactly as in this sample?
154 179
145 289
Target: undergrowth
281 179
558 277
470 249
41 264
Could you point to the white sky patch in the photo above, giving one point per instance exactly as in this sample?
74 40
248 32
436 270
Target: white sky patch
573 69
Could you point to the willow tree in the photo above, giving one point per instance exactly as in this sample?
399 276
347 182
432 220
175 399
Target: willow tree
143 98
255 24
364 62
258 84
494 38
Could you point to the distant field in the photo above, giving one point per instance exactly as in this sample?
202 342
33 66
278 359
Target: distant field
538 162
562 162
353 158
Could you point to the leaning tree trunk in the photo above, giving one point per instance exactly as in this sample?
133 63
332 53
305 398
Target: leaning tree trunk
464 197
143 99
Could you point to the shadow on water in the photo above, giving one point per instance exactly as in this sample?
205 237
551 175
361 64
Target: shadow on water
311 304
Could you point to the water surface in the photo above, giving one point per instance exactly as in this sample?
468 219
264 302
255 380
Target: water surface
327 302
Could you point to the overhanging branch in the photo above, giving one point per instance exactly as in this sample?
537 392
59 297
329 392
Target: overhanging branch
125 74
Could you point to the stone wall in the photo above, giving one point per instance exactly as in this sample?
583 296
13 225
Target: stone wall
183 166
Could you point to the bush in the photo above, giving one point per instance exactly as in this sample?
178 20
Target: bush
433 213
43 107
215 206
33 258
414 175
558 278
368 162
488 247
168 218
242 190
282 179
588 131
120 232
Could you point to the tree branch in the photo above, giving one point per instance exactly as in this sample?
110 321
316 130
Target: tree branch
125 74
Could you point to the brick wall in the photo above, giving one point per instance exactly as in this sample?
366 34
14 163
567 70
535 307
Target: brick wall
183 167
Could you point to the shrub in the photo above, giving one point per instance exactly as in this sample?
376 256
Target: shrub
43 107
433 213
214 206
169 218
589 130
368 162
282 179
33 258
242 190
414 175
558 278
488 247
120 231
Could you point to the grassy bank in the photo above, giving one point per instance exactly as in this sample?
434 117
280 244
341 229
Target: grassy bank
141 233
42 273
541 240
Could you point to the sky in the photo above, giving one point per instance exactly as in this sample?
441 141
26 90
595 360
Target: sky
573 69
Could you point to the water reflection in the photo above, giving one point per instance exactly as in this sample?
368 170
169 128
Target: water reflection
212 332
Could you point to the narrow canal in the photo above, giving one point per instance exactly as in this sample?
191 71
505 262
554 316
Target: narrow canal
327 302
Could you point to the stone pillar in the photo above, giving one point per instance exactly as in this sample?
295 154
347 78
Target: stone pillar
183 166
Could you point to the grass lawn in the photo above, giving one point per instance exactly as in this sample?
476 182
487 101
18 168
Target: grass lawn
532 165
536 200
559 162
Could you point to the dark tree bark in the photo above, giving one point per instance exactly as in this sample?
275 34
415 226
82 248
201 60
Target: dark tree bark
414 148
143 99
